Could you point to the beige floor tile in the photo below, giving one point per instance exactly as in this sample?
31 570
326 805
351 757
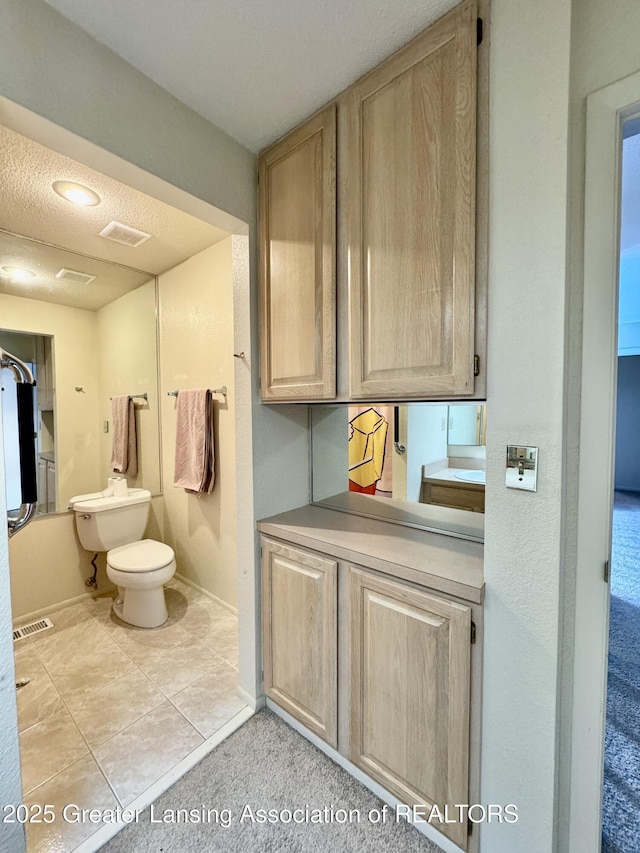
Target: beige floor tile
48 748
84 669
82 784
187 591
38 699
83 638
102 713
158 741
222 638
211 700
67 617
100 604
137 642
173 669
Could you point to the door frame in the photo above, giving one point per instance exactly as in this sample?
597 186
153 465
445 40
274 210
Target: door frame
606 110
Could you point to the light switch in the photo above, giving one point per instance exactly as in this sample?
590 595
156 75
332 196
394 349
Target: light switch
105 426
522 468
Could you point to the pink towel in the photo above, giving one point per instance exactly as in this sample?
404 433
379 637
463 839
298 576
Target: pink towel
195 458
124 455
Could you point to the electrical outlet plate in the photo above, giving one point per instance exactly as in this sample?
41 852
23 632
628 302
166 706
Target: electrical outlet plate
522 468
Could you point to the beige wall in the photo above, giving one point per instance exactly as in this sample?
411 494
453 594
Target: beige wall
49 565
76 364
196 351
128 364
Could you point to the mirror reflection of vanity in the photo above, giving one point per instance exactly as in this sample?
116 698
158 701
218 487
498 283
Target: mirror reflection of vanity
87 341
420 464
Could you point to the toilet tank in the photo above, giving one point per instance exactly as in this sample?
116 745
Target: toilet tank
104 523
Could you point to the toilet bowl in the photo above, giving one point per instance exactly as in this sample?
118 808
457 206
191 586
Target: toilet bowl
139 567
140 570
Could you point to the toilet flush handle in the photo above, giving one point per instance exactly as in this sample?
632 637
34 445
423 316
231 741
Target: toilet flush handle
86 516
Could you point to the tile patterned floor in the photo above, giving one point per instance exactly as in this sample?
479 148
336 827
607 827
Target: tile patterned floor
110 708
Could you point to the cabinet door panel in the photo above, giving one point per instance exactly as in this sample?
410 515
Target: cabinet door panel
297 263
411 218
410 693
300 636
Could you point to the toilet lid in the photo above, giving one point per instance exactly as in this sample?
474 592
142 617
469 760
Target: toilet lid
143 556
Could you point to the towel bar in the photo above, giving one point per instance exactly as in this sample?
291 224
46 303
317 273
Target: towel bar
222 391
134 396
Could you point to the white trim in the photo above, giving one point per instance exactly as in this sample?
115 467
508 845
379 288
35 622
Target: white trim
605 109
207 594
423 827
95 841
60 605
254 702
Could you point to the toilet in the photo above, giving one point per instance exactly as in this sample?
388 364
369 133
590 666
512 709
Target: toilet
139 567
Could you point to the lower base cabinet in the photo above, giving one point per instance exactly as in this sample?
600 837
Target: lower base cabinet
405 654
300 641
410 682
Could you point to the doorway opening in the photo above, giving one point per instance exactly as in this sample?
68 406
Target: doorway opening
54 704
621 783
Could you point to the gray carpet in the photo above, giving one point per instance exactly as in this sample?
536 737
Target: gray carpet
264 765
621 793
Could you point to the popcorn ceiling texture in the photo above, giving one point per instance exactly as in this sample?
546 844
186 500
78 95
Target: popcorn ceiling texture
31 207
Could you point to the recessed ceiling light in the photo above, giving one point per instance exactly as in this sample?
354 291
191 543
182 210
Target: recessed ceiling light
19 273
76 193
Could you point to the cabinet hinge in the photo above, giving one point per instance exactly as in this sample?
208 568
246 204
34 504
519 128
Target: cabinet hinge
473 632
476 365
479 31
606 571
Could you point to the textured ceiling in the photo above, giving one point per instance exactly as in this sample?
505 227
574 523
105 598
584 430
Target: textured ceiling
254 68
29 206
110 283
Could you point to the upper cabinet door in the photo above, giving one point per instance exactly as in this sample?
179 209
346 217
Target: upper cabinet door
297 180
411 217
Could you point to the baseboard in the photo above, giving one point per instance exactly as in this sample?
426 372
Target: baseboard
94 842
422 827
46 611
254 702
207 594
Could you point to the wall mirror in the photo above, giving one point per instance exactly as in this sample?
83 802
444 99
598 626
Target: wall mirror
420 464
89 328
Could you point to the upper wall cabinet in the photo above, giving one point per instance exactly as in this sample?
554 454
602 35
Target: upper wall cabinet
411 217
297 180
409 313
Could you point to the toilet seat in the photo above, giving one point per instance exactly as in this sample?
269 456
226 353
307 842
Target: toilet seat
147 555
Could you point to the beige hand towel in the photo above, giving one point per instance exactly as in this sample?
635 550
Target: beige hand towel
195 456
124 456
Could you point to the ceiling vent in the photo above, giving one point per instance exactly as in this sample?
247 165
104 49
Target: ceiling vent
120 233
74 277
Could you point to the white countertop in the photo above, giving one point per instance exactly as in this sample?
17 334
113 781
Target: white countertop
449 474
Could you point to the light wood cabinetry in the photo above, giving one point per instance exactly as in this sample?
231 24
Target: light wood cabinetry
410 688
410 169
409 315
297 180
46 485
300 635
45 383
367 646
453 494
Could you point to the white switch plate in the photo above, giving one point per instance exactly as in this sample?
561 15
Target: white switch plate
522 468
